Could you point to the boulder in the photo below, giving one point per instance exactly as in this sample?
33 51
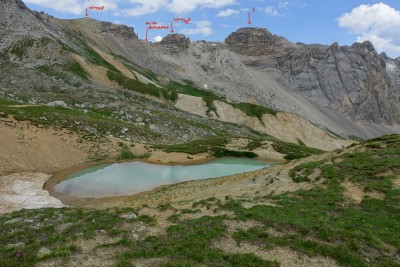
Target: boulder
57 104
43 252
128 216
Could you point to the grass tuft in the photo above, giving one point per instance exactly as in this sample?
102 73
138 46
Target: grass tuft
76 68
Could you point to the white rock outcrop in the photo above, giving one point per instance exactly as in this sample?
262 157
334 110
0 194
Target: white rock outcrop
25 191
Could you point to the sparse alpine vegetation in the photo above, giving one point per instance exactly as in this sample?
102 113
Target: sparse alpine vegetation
137 86
215 146
249 109
195 147
322 221
126 154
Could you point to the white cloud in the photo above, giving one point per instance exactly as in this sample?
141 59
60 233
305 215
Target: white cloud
183 6
132 7
158 38
284 4
75 7
378 23
227 13
67 6
108 5
270 10
202 28
143 7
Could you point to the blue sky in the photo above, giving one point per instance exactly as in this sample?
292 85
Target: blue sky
307 21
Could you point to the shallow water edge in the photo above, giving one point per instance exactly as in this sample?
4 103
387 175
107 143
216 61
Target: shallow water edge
209 166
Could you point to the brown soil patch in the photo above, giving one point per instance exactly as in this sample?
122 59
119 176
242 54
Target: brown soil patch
212 212
353 192
357 193
250 204
139 230
285 256
88 255
150 262
317 172
161 216
25 147
396 182
145 80
391 172
237 144
123 69
164 157
98 73
338 160
375 194
234 225
117 64
267 152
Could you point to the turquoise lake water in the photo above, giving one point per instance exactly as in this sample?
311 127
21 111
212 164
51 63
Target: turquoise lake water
129 178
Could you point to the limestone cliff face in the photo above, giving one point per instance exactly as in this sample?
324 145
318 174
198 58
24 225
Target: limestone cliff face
353 80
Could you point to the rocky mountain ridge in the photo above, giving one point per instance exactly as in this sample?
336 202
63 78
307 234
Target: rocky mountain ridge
174 43
348 90
353 80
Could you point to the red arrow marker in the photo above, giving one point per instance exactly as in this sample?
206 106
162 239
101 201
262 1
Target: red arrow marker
87 14
249 22
172 27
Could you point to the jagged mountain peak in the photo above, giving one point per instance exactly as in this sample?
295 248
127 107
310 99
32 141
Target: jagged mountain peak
255 41
364 45
253 30
174 43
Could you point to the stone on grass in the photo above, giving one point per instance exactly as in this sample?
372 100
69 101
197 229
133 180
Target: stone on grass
128 216
58 104
16 245
12 221
43 252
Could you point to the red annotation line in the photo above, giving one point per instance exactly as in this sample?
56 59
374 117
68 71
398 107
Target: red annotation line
154 27
96 7
99 8
186 21
158 27
249 21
